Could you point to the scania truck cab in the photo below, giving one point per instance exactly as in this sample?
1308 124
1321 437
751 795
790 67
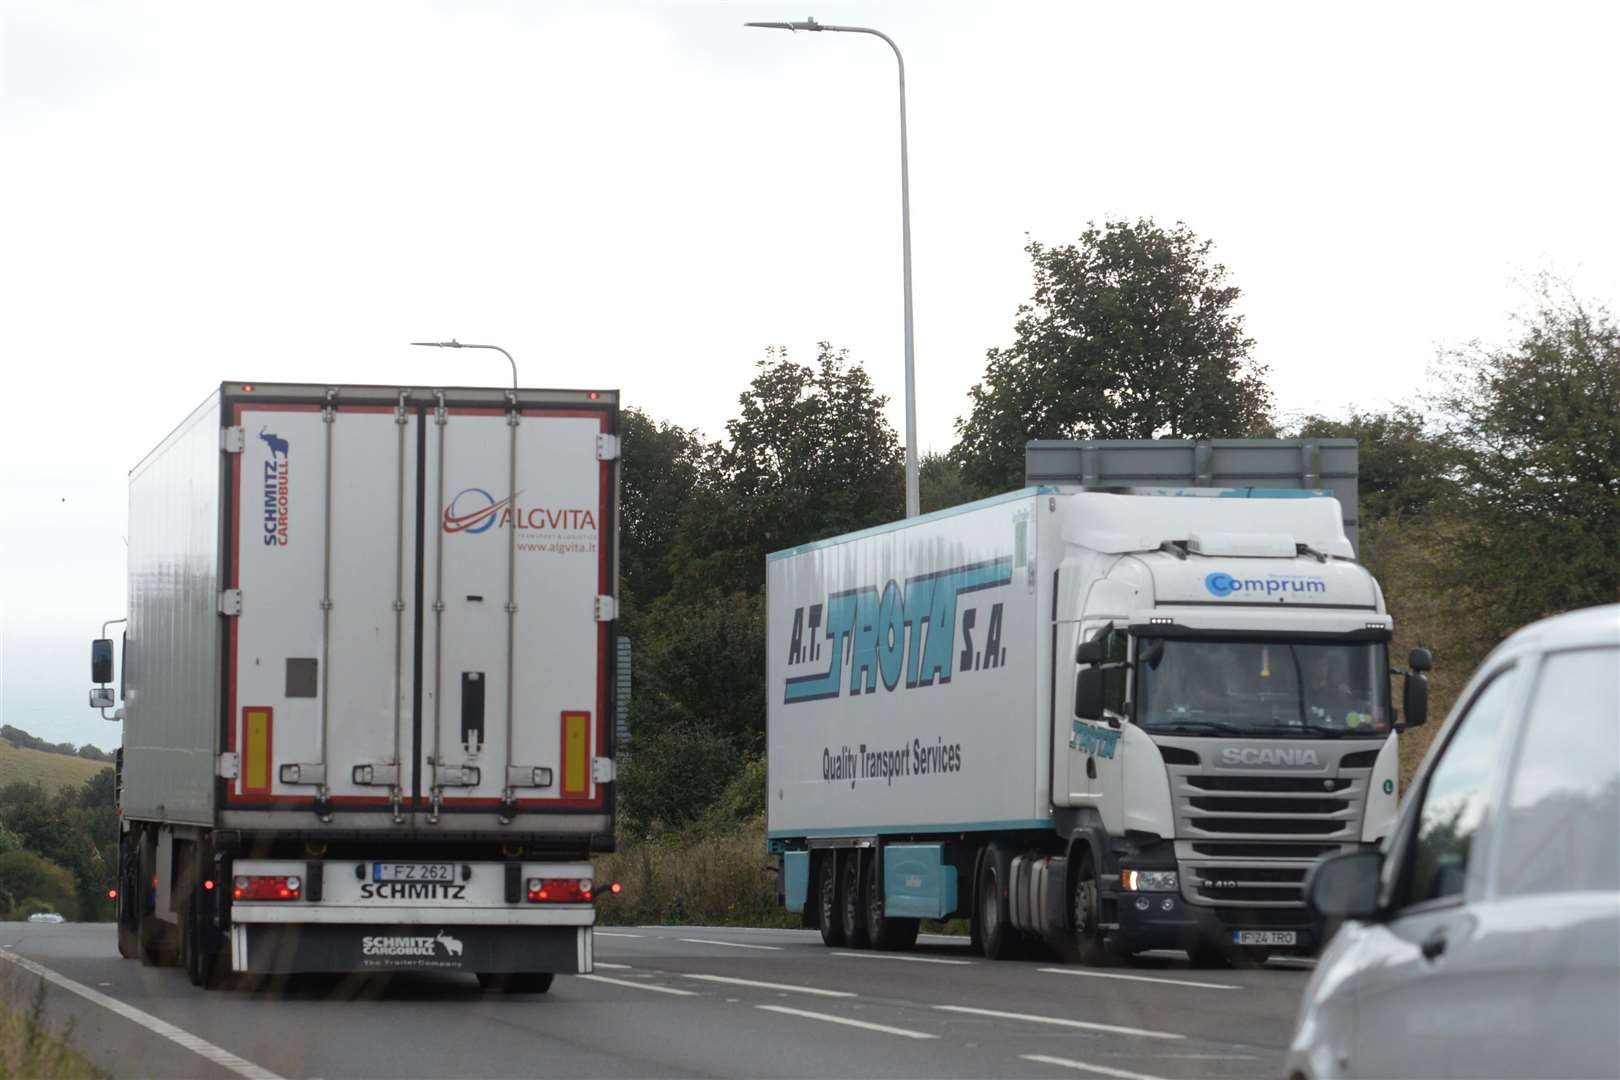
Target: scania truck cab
1231 720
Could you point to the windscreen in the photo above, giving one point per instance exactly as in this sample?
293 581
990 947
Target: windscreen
1270 688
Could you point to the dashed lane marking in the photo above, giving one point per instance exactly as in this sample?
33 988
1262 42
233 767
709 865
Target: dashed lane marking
640 985
728 944
847 1021
611 967
1081 1066
1112 1029
1140 978
790 987
899 956
610 933
201 1047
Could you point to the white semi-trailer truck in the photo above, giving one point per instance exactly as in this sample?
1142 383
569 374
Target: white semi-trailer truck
1114 718
367 683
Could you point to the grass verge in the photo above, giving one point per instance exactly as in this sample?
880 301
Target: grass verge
700 877
28 1048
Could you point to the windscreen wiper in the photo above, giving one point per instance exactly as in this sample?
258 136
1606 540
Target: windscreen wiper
1322 730
1192 727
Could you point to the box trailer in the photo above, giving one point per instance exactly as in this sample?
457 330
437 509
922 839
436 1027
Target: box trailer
1115 718
369 682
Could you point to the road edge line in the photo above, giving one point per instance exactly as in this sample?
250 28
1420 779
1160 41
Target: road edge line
181 1037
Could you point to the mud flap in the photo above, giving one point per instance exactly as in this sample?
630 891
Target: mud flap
280 949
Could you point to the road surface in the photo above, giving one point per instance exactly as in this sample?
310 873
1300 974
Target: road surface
673 1002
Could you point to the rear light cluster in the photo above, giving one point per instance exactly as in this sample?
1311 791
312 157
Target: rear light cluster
560 890
267 887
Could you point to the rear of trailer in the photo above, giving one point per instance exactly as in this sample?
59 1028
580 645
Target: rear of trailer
369 681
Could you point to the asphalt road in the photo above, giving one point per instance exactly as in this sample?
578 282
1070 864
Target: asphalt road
673 1002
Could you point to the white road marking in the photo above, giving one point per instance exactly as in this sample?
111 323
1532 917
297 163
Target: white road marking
848 1022
899 956
1100 1070
611 967
1141 978
1113 1029
728 980
201 1047
728 944
609 933
640 985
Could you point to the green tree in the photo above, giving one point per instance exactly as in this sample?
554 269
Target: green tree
661 465
1132 333
31 882
1406 468
700 663
941 485
810 456
1537 426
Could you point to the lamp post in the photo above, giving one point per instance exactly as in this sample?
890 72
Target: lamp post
905 241
454 344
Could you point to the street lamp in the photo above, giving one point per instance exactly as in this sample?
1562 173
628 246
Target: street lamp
905 241
454 344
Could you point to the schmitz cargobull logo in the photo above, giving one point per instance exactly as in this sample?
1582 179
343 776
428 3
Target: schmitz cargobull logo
277 478
400 946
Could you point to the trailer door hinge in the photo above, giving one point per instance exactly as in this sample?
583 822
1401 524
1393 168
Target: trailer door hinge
607 609
602 770
230 602
607 448
232 440
229 767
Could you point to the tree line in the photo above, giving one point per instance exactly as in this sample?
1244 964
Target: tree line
1488 501
58 850
19 738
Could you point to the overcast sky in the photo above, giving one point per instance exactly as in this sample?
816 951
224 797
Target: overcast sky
645 196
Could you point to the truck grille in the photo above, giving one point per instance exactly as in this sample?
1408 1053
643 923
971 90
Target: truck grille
1245 843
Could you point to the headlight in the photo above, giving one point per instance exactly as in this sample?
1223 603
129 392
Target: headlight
1149 881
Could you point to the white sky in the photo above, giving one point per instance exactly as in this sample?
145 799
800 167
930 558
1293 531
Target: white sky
644 196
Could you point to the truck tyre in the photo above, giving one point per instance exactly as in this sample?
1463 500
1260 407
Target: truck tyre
999 941
827 909
850 905
204 966
893 934
156 939
1085 913
530 982
128 912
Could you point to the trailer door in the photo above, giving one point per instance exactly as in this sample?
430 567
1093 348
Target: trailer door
516 593
321 658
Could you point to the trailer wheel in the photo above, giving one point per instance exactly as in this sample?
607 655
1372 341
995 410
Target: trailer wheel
156 939
893 934
996 934
850 905
530 982
127 910
1085 910
832 923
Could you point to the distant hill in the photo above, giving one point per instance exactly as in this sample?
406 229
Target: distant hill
50 770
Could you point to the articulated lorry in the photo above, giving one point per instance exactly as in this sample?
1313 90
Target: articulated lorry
367 683
1127 707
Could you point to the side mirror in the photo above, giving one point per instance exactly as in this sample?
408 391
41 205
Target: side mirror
101 697
1415 701
1088 693
1345 886
101 661
1420 660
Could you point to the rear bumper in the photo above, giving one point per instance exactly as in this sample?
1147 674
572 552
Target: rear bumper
343 948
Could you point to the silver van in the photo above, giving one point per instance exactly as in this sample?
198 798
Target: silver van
1483 938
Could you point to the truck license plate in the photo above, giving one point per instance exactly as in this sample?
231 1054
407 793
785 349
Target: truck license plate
413 871
1264 937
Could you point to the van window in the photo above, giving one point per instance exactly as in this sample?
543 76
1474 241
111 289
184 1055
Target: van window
1454 799
1561 826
